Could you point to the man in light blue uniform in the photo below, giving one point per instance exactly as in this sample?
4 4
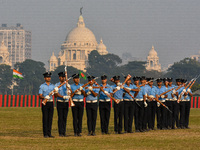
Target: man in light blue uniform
139 109
152 104
62 104
91 105
182 104
78 109
47 110
169 103
129 105
118 108
187 97
161 110
104 105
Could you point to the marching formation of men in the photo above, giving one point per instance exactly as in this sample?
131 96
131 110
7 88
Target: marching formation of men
140 101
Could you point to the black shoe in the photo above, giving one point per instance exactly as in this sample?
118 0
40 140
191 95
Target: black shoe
120 132
125 132
187 127
103 133
46 136
141 130
93 134
116 132
51 136
75 134
137 130
107 133
89 134
61 135
78 134
130 131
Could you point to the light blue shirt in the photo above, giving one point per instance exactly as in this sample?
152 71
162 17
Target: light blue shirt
107 88
151 90
160 91
74 87
141 93
187 97
91 97
62 90
118 94
179 92
131 86
46 89
169 94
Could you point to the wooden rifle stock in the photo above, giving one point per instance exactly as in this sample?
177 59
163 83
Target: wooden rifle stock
101 88
52 92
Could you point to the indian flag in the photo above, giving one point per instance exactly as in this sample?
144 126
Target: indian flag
17 74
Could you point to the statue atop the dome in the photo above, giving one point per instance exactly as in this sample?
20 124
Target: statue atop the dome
81 10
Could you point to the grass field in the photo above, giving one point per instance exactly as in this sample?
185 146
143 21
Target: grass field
21 128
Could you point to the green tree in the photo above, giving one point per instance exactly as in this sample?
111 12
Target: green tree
186 68
33 77
5 79
70 71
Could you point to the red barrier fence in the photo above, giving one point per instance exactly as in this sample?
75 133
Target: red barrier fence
34 101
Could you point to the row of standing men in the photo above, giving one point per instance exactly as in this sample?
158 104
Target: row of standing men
143 109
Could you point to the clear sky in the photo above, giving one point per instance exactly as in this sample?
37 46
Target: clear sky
172 26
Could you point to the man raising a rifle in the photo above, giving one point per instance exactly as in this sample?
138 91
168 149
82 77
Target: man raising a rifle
104 105
62 104
47 110
78 109
91 106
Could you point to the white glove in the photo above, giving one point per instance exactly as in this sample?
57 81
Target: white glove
47 97
118 88
145 104
78 92
118 84
88 93
158 104
122 86
68 92
184 90
174 98
128 89
90 88
162 96
68 86
66 97
106 92
81 88
174 92
189 90
56 90
151 96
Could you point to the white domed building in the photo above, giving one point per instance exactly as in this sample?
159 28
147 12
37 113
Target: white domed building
53 62
78 44
153 61
4 55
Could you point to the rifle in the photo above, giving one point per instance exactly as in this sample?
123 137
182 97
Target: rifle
70 99
101 88
83 86
163 105
180 95
52 92
127 78
170 90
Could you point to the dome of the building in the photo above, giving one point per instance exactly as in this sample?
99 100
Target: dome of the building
3 47
101 46
152 52
81 34
53 58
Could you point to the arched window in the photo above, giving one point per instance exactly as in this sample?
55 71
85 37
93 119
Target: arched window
74 56
151 63
1 59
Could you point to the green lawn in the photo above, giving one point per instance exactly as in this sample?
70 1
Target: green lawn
21 128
